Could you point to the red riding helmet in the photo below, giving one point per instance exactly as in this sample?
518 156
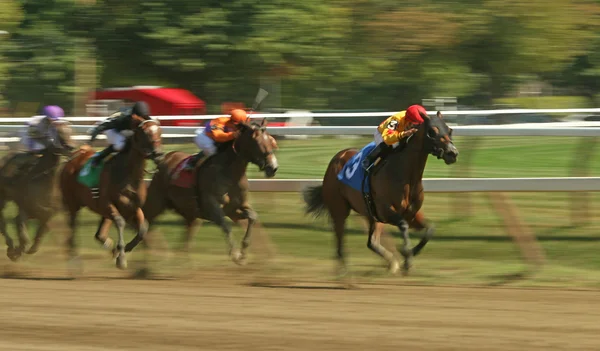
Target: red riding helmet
413 114
238 116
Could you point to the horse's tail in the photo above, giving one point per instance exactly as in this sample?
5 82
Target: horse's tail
313 197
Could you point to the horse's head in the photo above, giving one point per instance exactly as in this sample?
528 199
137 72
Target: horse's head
439 138
61 132
147 138
256 145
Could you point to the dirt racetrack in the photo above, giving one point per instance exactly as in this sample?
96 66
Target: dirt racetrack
224 314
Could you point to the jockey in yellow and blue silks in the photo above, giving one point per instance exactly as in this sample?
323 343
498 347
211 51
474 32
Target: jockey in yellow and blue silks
393 130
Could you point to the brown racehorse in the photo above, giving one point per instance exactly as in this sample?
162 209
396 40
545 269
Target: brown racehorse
221 186
122 187
34 189
397 191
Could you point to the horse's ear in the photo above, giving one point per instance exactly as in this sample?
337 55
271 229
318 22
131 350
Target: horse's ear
264 122
423 115
439 114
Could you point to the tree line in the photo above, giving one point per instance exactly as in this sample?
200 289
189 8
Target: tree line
336 54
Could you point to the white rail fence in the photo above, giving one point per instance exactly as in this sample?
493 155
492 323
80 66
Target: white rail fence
339 114
493 130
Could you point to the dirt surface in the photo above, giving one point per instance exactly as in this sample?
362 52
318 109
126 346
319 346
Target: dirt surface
225 314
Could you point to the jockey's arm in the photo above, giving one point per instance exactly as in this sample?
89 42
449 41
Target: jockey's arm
392 129
221 136
107 124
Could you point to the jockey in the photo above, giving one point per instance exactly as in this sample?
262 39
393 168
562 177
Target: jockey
38 134
219 130
394 129
113 127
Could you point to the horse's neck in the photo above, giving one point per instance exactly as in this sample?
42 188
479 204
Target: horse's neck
47 165
234 164
132 165
408 165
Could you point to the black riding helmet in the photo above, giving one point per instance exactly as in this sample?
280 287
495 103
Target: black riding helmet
141 109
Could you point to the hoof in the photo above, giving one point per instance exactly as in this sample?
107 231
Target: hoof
121 262
33 249
13 253
115 253
236 256
394 267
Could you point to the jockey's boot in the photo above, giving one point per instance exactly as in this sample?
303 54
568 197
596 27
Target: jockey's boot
102 155
378 151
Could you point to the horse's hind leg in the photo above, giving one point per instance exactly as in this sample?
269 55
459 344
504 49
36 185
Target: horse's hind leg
339 227
10 246
374 243
21 224
42 229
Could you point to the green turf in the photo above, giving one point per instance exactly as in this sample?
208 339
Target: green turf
466 249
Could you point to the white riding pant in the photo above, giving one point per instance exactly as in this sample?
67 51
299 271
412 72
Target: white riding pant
115 138
205 143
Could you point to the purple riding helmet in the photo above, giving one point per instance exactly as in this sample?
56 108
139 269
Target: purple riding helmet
53 112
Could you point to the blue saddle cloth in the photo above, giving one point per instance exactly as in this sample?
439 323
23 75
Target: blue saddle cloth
353 172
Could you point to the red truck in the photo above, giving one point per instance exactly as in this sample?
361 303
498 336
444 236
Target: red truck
162 101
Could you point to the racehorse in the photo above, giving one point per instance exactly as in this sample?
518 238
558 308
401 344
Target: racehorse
396 191
121 183
221 186
33 189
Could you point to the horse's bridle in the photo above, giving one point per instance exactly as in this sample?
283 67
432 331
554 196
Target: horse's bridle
141 127
261 163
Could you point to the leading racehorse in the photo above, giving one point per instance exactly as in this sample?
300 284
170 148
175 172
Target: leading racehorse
396 190
33 189
121 183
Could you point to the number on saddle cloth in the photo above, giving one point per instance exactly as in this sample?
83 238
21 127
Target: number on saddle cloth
352 173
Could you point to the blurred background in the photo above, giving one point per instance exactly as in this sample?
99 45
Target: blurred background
375 55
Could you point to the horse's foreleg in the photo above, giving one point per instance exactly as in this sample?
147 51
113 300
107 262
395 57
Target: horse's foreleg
215 213
119 251
398 220
142 228
102 233
42 229
245 212
374 243
419 222
10 246
190 228
74 262
21 224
